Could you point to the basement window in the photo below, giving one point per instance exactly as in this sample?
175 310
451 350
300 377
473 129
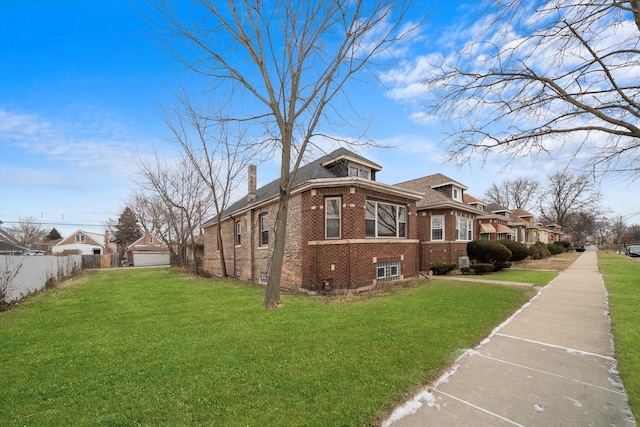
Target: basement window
388 271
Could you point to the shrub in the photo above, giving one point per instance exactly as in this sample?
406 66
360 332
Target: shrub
482 268
518 250
579 249
566 245
535 252
555 249
465 270
488 252
544 250
442 268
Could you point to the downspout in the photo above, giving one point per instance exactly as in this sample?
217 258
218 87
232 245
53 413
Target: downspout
233 223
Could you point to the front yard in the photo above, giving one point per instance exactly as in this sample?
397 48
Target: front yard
155 346
621 277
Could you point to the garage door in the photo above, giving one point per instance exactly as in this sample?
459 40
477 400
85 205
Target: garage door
142 259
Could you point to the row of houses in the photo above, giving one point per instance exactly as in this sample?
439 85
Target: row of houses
148 250
350 231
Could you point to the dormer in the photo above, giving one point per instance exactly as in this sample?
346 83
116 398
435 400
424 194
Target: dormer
353 167
451 189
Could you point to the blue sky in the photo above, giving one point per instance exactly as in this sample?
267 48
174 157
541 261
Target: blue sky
82 84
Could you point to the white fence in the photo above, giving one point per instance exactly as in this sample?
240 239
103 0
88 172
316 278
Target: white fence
22 275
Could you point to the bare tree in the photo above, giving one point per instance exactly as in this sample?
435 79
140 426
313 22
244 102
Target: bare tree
185 195
28 232
292 60
567 194
217 154
556 77
520 193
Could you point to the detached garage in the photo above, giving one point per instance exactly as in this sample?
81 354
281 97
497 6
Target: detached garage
148 251
148 258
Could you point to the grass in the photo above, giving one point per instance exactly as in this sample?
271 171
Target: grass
537 277
621 276
154 346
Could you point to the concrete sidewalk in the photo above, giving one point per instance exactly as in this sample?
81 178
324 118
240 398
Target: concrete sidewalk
551 364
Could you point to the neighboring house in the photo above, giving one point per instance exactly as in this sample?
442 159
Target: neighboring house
82 243
47 246
489 226
344 229
8 248
445 222
148 251
5 236
199 255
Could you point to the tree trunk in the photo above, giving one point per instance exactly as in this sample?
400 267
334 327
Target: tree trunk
223 264
272 294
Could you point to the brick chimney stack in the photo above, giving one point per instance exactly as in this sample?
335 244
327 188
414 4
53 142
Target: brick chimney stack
253 183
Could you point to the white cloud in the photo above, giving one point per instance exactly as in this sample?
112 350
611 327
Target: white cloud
88 138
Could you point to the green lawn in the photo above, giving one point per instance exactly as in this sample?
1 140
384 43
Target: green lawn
155 346
537 277
621 276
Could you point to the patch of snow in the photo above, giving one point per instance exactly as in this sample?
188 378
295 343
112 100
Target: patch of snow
538 408
412 406
575 402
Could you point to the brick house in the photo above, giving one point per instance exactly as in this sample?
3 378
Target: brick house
83 243
494 222
344 230
445 222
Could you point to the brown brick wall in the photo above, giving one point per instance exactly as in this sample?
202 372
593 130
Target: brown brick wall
249 257
349 261
446 251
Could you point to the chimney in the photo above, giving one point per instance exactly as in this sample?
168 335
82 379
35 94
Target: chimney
253 179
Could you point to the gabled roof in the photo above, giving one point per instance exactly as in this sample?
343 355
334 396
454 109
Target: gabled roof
433 198
332 165
521 213
470 200
97 237
5 236
494 207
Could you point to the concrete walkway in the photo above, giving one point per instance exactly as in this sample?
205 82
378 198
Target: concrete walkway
551 364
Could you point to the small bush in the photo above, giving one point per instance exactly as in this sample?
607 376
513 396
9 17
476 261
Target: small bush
555 249
579 249
518 250
566 245
535 252
482 268
488 251
442 268
465 270
543 251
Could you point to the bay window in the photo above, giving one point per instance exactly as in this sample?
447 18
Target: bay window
385 220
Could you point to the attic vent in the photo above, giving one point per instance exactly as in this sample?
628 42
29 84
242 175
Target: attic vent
463 261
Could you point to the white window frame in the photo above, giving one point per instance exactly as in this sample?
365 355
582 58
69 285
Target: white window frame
399 212
467 229
441 218
80 238
238 233
388 271
359 171
333 217
263 219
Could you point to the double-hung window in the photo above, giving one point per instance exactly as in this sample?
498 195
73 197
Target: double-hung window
385 220
80 238
264 230
437 228
332 212
238 233
464 229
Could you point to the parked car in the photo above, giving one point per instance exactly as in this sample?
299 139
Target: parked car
33 252
632 251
